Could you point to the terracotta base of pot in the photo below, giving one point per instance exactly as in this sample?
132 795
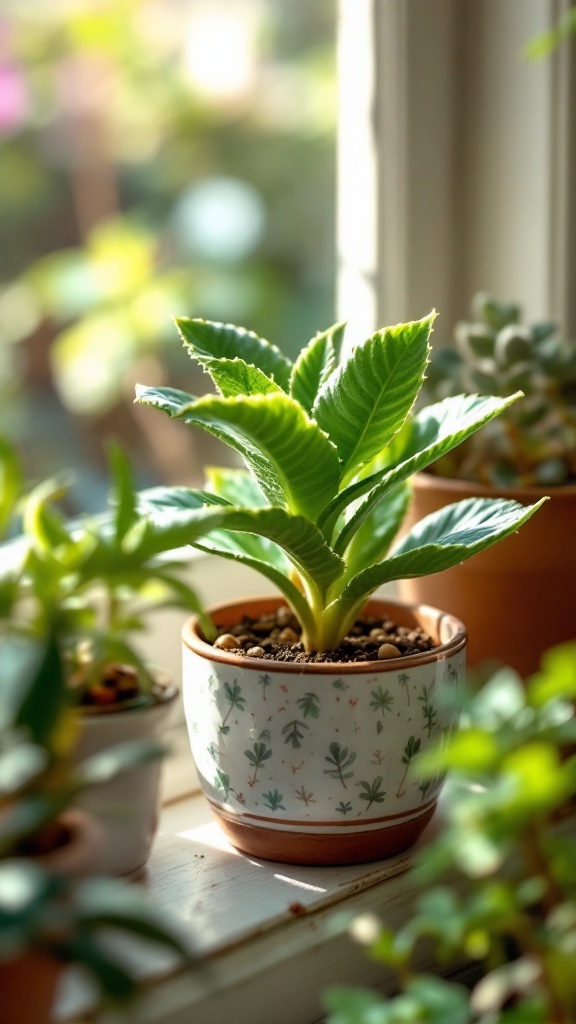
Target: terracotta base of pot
28 988
517 598
329 850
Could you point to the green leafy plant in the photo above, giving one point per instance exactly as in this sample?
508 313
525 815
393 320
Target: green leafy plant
329 444
496 888
99 577
534 441
67 917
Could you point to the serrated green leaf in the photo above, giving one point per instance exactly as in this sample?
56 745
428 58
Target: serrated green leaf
228 484
315 364
300 539
293 461
234 485
276 576
441 540
236 377
208 341
367 399
377 531
433 432
437 429
170 400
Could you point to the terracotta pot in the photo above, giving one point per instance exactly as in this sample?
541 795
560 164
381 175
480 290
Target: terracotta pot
519 597
128 807
308 764
28 983
28 988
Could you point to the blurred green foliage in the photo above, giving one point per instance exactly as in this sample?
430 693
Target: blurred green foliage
497 885
158 157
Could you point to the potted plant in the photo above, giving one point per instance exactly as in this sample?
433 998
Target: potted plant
528 451
100 577
495 892
52 911
305 713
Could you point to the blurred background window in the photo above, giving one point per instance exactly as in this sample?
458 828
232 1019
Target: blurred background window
157 158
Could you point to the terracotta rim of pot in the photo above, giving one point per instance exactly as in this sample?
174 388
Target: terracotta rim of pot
447 630
531 492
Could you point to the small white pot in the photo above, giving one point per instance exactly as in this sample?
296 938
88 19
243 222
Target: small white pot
309 763
127 808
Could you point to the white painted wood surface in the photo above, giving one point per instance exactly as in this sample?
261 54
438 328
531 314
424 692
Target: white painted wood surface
272 937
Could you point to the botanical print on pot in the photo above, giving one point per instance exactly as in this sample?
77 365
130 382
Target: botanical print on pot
311 752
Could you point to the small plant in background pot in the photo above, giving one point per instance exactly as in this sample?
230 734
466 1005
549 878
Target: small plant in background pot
52 912
534 441
305 772
496 890
99 578
527 451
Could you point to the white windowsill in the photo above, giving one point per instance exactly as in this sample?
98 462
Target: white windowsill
271 936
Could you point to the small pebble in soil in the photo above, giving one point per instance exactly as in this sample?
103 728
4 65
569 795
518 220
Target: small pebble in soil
226 642
386 651
276 637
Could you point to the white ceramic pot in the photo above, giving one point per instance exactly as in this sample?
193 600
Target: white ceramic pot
310 764
127 808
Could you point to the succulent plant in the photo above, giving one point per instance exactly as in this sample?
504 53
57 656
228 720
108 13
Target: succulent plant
534 441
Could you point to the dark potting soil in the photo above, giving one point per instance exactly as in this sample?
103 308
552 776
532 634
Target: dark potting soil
276 637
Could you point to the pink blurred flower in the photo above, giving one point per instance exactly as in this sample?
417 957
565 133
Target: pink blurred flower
13 98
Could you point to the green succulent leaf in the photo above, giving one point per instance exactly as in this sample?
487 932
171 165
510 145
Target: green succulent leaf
366 400
315 364
293 461
209 342
441 540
